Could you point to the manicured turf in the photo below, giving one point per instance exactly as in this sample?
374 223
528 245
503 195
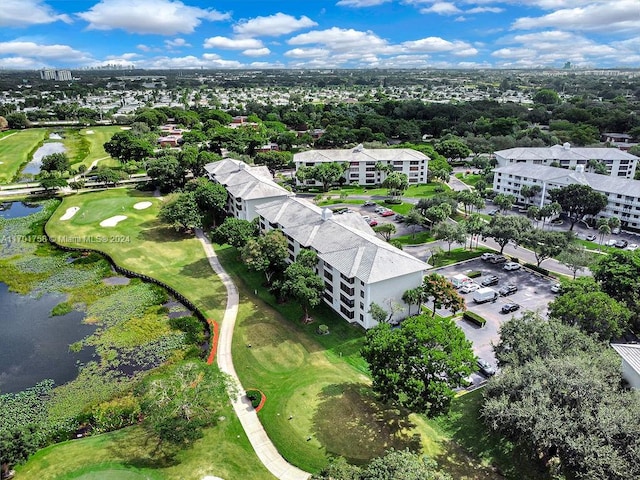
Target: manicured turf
15 151
315 385
141 243
469 179
96 140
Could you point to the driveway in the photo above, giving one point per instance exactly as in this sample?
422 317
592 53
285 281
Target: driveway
534 294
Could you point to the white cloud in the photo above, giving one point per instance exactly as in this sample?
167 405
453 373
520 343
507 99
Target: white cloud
485 10
161 17
256 52
361 3
208 60
177 43
438 45
272 26
21 63
442 8
307 53
60 53
17 13
340 40
555 48
610 17
143 47
232 43
124 56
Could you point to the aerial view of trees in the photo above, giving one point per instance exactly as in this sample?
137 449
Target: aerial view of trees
418 364
578 201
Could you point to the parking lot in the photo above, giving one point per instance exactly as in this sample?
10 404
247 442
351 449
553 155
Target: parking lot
534 293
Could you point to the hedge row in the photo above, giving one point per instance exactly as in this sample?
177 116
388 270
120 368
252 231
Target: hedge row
535 268
474 274
474 318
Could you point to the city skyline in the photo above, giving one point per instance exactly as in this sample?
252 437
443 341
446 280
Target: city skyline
161 34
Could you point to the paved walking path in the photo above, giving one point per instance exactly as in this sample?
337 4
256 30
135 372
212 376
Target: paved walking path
264 448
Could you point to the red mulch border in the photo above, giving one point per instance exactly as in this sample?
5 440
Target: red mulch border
214 340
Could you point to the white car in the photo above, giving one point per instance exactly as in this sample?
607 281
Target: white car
633 247
556 288
469 287
366 217
611 243
511 266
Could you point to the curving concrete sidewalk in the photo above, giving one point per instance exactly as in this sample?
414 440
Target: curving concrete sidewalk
264 448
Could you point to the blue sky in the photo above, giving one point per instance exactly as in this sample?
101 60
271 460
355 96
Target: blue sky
319 34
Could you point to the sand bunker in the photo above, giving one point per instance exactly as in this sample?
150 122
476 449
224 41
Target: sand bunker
68 215
113 221
89 132
142 205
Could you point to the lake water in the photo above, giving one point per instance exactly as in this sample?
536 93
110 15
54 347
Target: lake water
33 167
33 345
18 209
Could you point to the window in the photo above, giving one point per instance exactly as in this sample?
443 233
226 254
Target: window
347 290
347 279
349 302
346 312
328 275
327 296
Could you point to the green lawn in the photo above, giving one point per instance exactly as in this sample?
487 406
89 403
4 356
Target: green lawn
459 255
414 191
418 238
96 140
469 179
16 150
141 243
464 425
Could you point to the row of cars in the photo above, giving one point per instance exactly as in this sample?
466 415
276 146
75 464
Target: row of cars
382 211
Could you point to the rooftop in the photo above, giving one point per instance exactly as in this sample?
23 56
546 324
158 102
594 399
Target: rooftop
565 152
359 154
630 352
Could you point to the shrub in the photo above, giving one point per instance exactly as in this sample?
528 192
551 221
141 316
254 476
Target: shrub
514 259
191 326
393 201
323 330
474 318
255 397
474 274
115 414
61 309
535 268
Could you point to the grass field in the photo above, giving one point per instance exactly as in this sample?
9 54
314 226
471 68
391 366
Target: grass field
96 140
15 151
142 244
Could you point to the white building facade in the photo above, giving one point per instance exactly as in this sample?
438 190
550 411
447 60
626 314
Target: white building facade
362 164
618 163
357 267
630 354
623 195
247 186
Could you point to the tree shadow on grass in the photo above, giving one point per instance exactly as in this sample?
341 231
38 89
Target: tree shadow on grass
198 269
472 438
145 453
350 422
154 232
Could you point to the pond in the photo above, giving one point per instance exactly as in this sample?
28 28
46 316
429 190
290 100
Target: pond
33 167
34 345
18 209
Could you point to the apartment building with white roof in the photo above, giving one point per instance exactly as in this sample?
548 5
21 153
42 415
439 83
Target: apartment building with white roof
618 163
362 163
247 186
623 194
358 267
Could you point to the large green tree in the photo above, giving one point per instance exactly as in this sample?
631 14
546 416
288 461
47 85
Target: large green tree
302 283
327 173
504 228
578 201
181 212
544 243
56 161
267 254
594 312
396 183
442 293
419 364
235 231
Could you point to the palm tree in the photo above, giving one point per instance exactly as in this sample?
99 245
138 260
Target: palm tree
413 296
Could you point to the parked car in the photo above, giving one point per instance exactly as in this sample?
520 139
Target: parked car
633 247
498 259
493 212
508 290
380 209
469 287
509 307
611 243
590 238
490 280
556 288
387 213
621 244
373 223
615 230
485 294
486 256
369 203
485 368
366 217
399 217
511 266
